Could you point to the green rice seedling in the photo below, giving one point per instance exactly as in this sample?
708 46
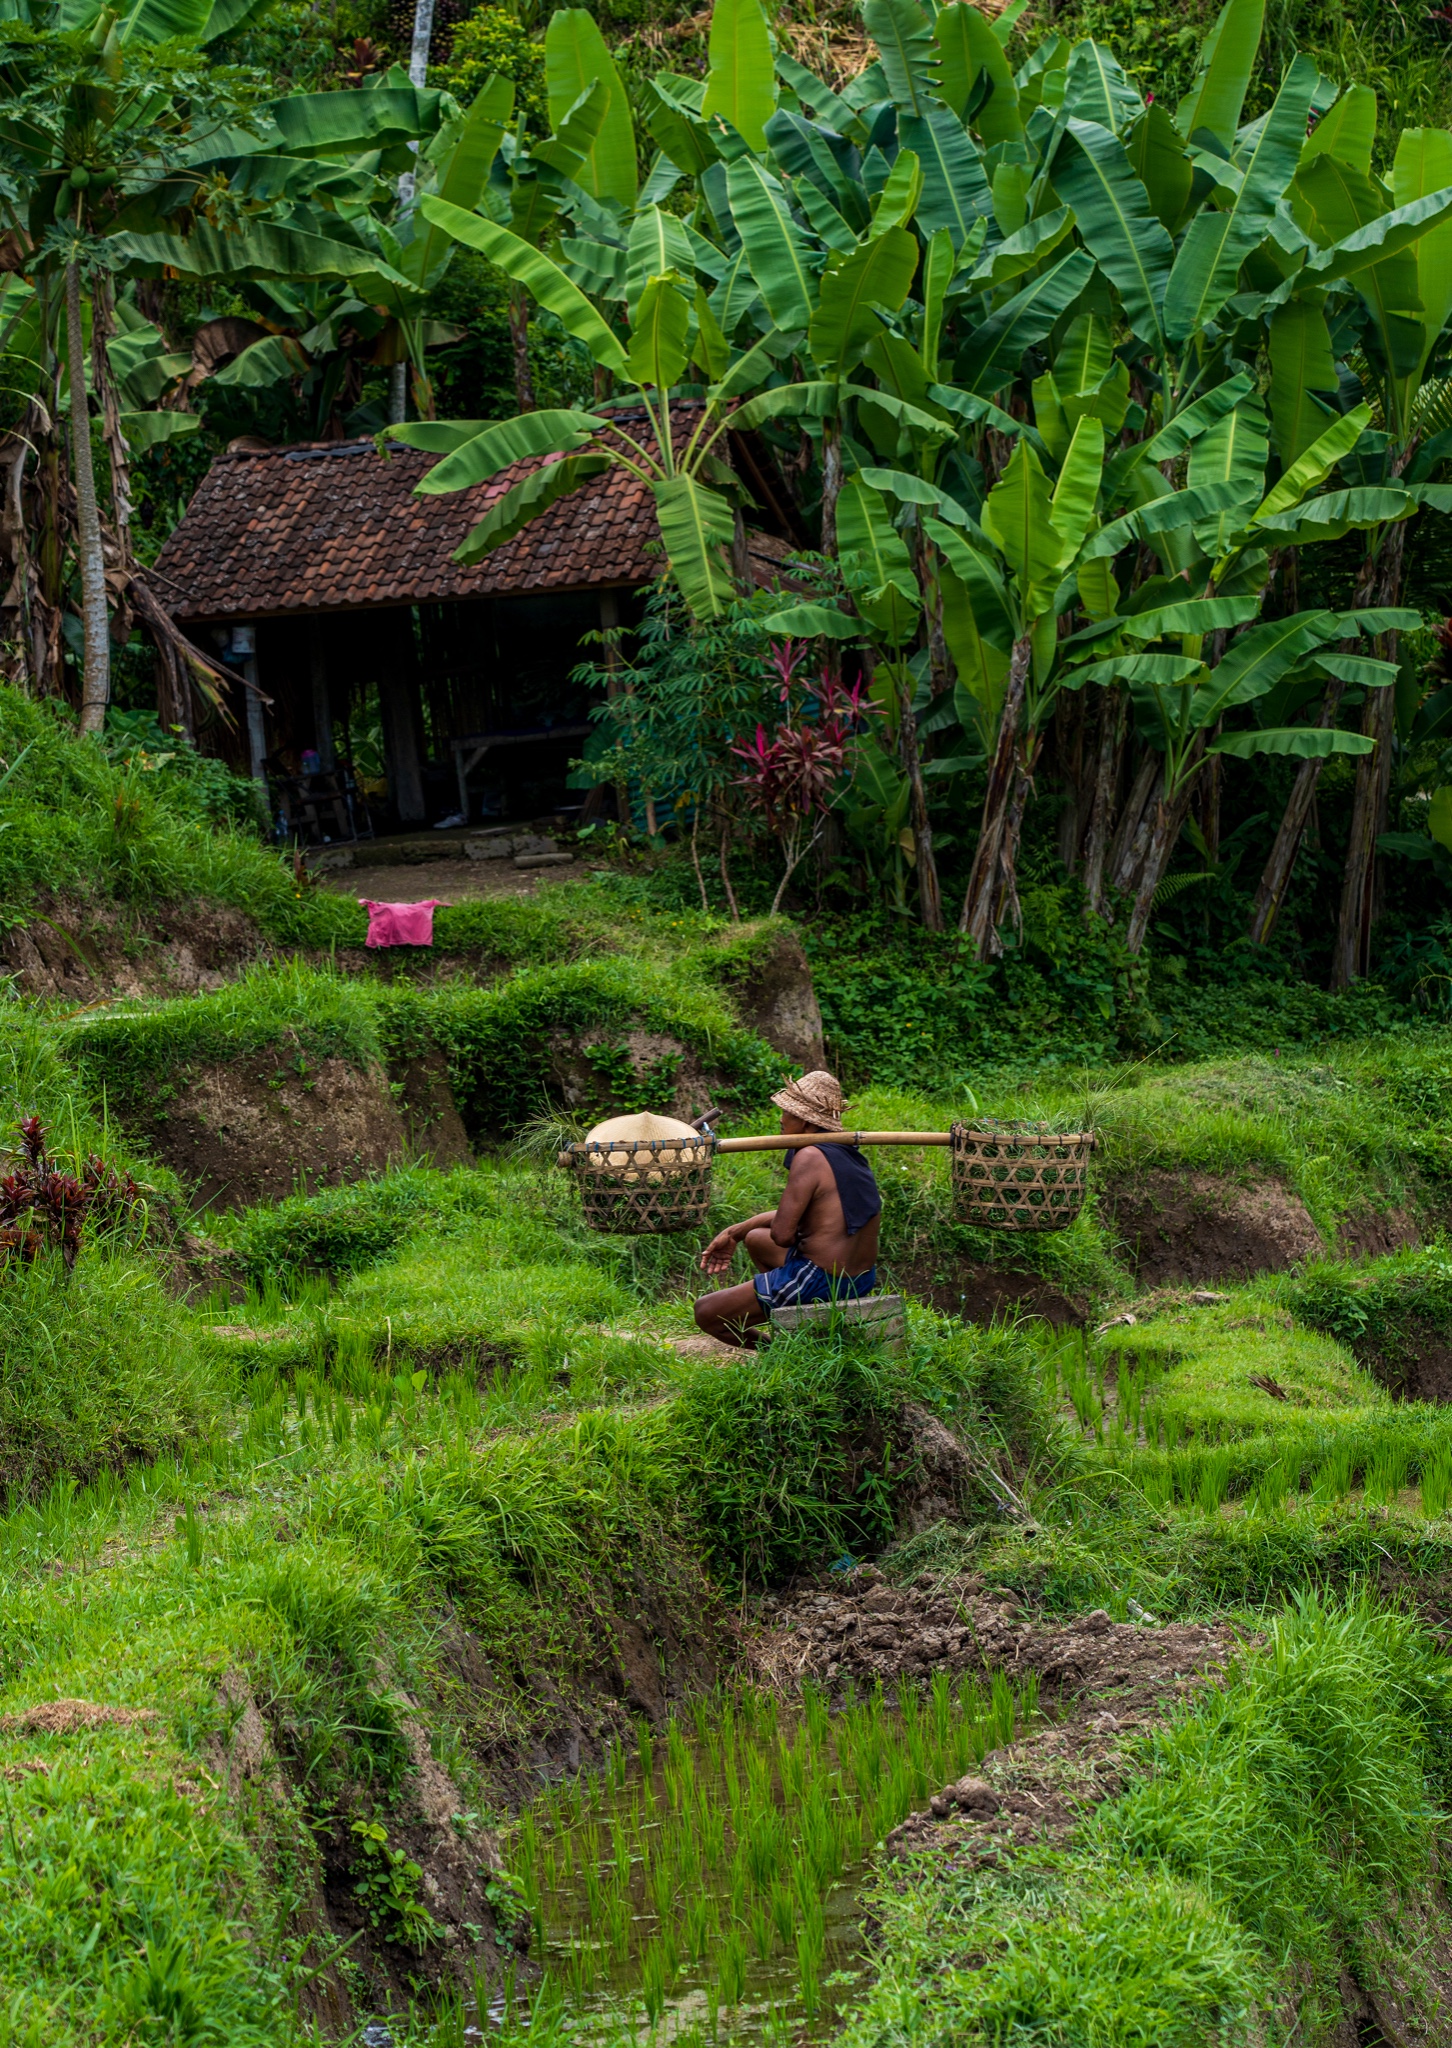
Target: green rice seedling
738 1886
660 1886
713 1837
619 1924
645 1750
1157 1484
762 1931
783 1907
1436 1484
731 1970
582 1970
816 1714
1387 1473
942 1709
593 1895
697 1925
791 1767
759 1777
655 1981
1213 1481
1001 1710
620 1849
678 1749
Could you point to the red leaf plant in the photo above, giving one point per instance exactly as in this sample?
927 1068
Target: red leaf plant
43 1208
791 777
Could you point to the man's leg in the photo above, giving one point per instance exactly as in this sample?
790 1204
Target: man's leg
732 1314
764 1251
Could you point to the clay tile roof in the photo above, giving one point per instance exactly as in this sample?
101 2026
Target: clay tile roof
334 526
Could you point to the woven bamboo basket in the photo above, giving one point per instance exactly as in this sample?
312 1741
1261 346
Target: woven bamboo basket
639 1186
1019 1176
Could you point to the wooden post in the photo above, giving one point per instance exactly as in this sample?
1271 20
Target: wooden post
398 703
610 623
322 703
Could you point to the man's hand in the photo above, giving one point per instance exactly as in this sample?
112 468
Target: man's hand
717 1256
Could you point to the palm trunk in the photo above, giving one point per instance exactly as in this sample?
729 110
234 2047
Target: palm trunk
103 390
1351 956
980 904
930 894
519 334
96 680
1106 775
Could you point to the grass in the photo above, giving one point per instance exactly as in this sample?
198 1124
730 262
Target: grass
101 1368
1279 1823
340 1512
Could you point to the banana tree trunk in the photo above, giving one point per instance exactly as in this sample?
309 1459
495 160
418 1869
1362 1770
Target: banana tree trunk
985 883
1169 818
519 335
930 894
1271 890
1351 956
1106 775
96 679
831 482
1280 865
1131 838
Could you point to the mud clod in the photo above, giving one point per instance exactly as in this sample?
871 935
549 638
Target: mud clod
864 1633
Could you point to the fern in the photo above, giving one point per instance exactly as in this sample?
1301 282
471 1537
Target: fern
1175 885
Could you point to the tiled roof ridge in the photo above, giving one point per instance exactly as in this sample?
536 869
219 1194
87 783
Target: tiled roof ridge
296 535
355 444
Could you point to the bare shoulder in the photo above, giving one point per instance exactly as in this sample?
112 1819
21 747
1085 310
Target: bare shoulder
809 1165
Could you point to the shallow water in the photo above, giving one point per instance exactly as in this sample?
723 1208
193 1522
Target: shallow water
707 1886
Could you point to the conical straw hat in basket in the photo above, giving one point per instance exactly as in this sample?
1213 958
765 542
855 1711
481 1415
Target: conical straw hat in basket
642 1174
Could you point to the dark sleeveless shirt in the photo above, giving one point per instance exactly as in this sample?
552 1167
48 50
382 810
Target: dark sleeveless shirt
856 1185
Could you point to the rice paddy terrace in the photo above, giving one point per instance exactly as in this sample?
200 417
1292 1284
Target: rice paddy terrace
414 1630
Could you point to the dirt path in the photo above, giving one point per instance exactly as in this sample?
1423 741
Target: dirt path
450 881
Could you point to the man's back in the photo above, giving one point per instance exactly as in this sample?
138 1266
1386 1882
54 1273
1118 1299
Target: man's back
813 1206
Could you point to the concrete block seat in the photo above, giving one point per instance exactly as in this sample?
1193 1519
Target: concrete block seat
880 1314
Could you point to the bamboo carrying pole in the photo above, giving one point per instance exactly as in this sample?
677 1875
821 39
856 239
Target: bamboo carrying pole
781 1143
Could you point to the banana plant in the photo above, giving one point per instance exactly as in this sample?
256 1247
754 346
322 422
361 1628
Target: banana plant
112 134
568 447
1010 570
1215 535
1375 258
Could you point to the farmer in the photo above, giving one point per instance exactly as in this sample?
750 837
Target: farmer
819 1243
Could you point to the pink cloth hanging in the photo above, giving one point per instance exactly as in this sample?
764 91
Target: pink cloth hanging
401 924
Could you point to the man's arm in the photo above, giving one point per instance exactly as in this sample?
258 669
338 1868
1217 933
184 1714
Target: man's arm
804 1183
717 1256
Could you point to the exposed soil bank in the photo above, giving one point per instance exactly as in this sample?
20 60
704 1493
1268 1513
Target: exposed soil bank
273 1123
1195 1227
869 1630
984 1294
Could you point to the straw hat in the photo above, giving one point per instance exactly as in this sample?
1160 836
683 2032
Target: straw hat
816 1099
642 1128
